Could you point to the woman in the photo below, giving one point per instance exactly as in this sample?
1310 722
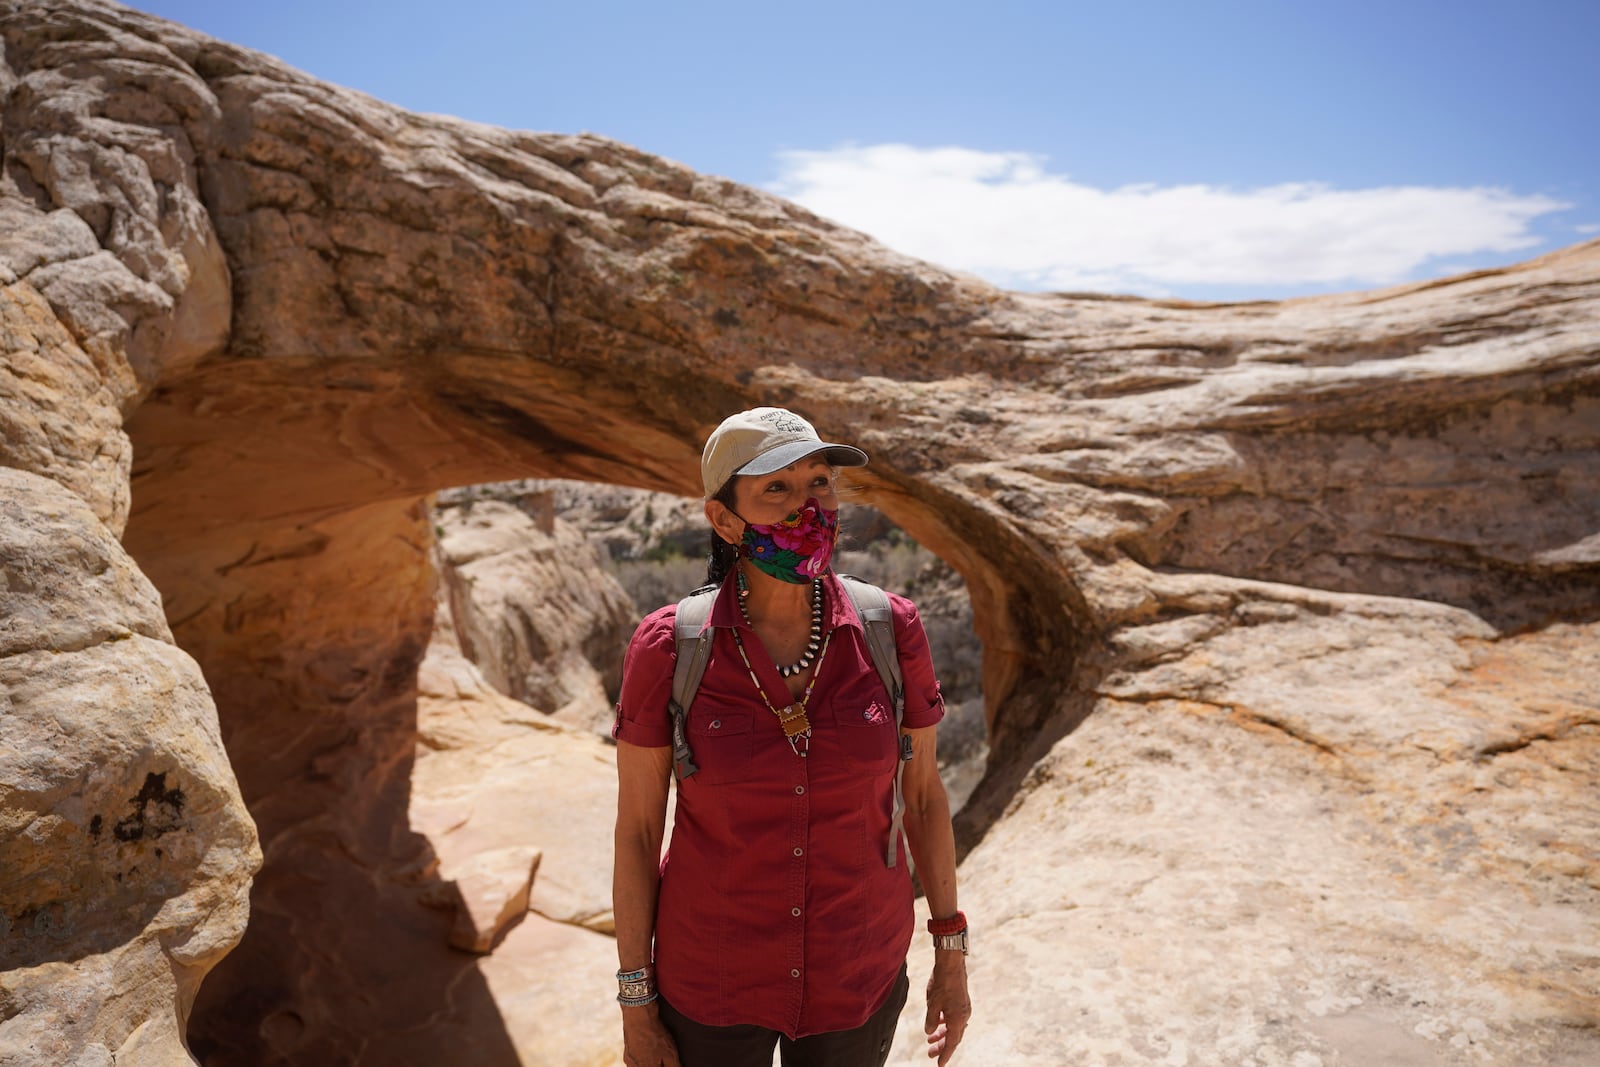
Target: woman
784 912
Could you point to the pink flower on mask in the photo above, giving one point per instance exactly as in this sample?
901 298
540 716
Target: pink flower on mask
808 531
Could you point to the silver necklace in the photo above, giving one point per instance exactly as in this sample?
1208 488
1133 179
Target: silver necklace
812 644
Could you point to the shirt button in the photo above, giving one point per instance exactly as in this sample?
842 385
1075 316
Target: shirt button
799 851
716 724
795 912
799 789
794 974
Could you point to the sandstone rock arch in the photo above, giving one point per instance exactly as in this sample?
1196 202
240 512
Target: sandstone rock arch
252 320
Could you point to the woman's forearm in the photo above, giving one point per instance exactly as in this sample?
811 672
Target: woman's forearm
928 829
933 847
635 881
643 776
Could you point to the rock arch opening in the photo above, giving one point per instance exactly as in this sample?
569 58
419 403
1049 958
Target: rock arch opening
282 508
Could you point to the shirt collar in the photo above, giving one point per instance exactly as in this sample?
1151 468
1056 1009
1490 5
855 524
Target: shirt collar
836 609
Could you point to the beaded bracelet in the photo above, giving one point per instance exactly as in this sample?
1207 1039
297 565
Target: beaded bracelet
635 989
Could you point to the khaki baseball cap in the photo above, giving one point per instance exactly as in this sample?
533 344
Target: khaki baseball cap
763 440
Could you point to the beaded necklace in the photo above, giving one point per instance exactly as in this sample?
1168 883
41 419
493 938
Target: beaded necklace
813 642
796 726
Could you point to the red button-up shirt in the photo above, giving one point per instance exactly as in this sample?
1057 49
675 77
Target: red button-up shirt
776 907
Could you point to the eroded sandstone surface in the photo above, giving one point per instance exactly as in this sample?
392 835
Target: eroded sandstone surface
1288 609
125 851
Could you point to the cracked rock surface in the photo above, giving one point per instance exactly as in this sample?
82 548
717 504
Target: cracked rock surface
1288 609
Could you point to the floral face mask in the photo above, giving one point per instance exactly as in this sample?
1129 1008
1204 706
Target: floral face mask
795 550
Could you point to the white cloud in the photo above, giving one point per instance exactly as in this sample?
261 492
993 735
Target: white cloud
1003 216
1588 228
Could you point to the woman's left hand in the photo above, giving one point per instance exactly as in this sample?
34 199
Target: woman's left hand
949 1007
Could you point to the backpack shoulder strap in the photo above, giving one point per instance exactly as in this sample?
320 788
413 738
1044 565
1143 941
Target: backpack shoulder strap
693 649
877 623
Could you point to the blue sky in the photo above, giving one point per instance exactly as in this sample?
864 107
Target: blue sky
1217 150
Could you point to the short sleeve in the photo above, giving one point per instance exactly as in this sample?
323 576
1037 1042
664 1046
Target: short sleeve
924 702
642 716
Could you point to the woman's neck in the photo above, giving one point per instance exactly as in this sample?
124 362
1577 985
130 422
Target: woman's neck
772 600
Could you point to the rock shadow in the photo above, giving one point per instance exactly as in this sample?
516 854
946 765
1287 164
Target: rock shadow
311 654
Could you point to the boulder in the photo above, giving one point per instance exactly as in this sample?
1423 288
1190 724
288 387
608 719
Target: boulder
530 603
493 888
125 851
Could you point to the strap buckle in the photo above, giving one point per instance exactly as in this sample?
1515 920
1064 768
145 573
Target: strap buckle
683 764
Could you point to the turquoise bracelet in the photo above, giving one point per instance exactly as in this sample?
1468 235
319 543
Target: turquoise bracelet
635 989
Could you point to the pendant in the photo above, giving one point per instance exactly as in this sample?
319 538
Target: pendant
794 722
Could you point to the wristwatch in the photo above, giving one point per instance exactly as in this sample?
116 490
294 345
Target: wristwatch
950 933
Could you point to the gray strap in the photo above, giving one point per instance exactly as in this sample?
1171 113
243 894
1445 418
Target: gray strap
693 651
877 623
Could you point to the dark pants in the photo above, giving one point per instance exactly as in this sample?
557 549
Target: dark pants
751 1046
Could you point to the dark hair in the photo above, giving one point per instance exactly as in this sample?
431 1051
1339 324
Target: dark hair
724 556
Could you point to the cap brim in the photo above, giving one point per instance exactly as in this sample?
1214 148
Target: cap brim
795 451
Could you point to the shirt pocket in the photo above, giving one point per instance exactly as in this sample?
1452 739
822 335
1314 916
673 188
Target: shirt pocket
867 735
721 740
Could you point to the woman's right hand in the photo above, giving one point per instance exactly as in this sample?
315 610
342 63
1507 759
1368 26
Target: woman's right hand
645 1041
